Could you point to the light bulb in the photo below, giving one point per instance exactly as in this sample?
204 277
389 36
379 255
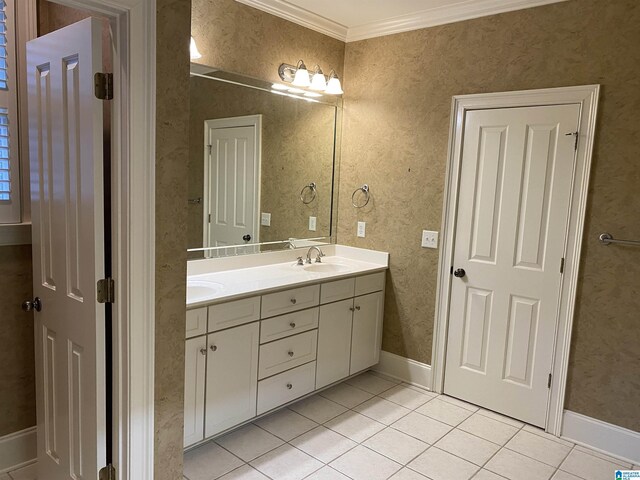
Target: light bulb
301 78
195 54
333 85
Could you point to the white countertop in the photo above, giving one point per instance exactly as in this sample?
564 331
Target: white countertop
219 280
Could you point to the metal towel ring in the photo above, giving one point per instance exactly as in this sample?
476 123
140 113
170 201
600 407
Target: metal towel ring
364 189
314 191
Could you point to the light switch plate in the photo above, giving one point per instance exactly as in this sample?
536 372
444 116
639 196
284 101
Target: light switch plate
361 229
312 224
429 239
265 220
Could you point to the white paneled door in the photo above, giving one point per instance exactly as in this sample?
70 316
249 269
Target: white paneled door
513 206
67 204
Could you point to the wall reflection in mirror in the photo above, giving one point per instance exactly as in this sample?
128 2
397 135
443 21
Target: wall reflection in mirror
261 165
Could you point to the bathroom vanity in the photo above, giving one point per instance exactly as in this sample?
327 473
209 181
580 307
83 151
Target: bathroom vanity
263 330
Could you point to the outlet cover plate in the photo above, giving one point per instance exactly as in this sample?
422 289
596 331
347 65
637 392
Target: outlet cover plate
362 229
265 220
429 239
312 224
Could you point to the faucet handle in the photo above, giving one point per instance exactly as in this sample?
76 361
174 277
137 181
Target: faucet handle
300 261
319 257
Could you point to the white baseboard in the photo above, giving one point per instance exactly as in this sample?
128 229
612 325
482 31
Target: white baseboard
404 369
18 449
605 437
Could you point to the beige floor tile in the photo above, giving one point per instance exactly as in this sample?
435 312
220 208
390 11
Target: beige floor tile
396 445
346 395
408 397
489 429
588 467
371 383
459 403
286 463
385 377
249 442
323 444
437 464
364 464
501 418
408 474
487 475
355 426
548 436
514 466
245 472
444 412
542 449
318 409
209 461
422 427
327 473
560 475
382 410
286 424
464 445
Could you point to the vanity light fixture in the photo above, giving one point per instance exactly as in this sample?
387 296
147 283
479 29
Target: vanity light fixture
301 77
195 54
318 82
333 85
298 75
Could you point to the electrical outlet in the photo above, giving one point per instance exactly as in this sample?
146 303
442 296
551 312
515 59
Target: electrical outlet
429 239
361 229
312 224
265 220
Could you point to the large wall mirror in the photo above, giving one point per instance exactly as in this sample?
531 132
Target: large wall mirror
262 165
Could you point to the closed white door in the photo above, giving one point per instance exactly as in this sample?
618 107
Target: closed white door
334 342
195 363
231 215
514 194
67 204
232 377
366 337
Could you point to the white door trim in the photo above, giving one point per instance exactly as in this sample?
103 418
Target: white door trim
254 121
133 23
587 97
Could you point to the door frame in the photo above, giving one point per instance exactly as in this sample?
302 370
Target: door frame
587 97
133 24
254 121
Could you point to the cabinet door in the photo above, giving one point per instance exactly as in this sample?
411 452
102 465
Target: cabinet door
195 361
367 331
232 377
334 342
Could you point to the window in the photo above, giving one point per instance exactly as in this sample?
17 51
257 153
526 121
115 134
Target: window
10 211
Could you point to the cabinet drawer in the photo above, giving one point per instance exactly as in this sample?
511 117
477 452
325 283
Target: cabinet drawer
287 386
196 322
338 290
289 352
231 314
290 324
370 283
290 300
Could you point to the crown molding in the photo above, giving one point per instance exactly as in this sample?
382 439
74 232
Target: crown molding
457 12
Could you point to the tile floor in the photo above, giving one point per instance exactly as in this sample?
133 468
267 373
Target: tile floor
372 427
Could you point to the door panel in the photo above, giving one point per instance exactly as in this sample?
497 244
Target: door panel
66 156
366 337
334 342
514 194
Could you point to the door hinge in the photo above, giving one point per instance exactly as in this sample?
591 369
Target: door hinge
576 136
106 290
104 86
209 147
549 382
107 473
451 270
562 265
209 218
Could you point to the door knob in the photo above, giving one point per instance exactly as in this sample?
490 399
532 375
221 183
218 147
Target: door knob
29 306
459 273
246 238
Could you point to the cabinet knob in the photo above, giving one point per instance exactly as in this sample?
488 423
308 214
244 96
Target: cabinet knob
213 348
294 301
292 324
203 351
352 309
291 353
357 307
289 386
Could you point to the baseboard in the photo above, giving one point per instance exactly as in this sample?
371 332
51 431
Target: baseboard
404 369
18 449
605 437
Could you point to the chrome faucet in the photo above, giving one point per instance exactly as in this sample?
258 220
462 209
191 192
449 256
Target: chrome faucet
318 257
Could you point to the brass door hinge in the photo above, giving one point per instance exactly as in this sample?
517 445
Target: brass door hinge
106 290
104 86
107 473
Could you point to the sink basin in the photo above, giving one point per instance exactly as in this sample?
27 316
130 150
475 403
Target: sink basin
327 268
201 290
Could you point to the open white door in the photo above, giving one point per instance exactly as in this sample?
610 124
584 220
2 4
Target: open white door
67 204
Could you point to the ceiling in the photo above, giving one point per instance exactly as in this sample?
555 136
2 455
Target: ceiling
352 20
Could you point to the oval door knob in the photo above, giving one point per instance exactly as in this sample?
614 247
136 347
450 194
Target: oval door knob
289 386
31 305
459 273
246 238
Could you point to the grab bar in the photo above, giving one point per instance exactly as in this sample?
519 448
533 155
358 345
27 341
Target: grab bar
607 239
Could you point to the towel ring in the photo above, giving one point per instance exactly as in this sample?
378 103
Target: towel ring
364 189
314 191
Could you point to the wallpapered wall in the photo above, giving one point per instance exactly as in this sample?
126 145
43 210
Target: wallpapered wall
397 109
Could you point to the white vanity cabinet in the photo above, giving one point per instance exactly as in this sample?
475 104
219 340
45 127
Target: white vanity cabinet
366 336
195 362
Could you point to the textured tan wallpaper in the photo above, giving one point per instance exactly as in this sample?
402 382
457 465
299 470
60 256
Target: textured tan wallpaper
297 148
17 375
172 150
397 105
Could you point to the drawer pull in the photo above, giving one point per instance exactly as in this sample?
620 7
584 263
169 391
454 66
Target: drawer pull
292 324
203 351
294 301
289 386
291 353
358 307
213 348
